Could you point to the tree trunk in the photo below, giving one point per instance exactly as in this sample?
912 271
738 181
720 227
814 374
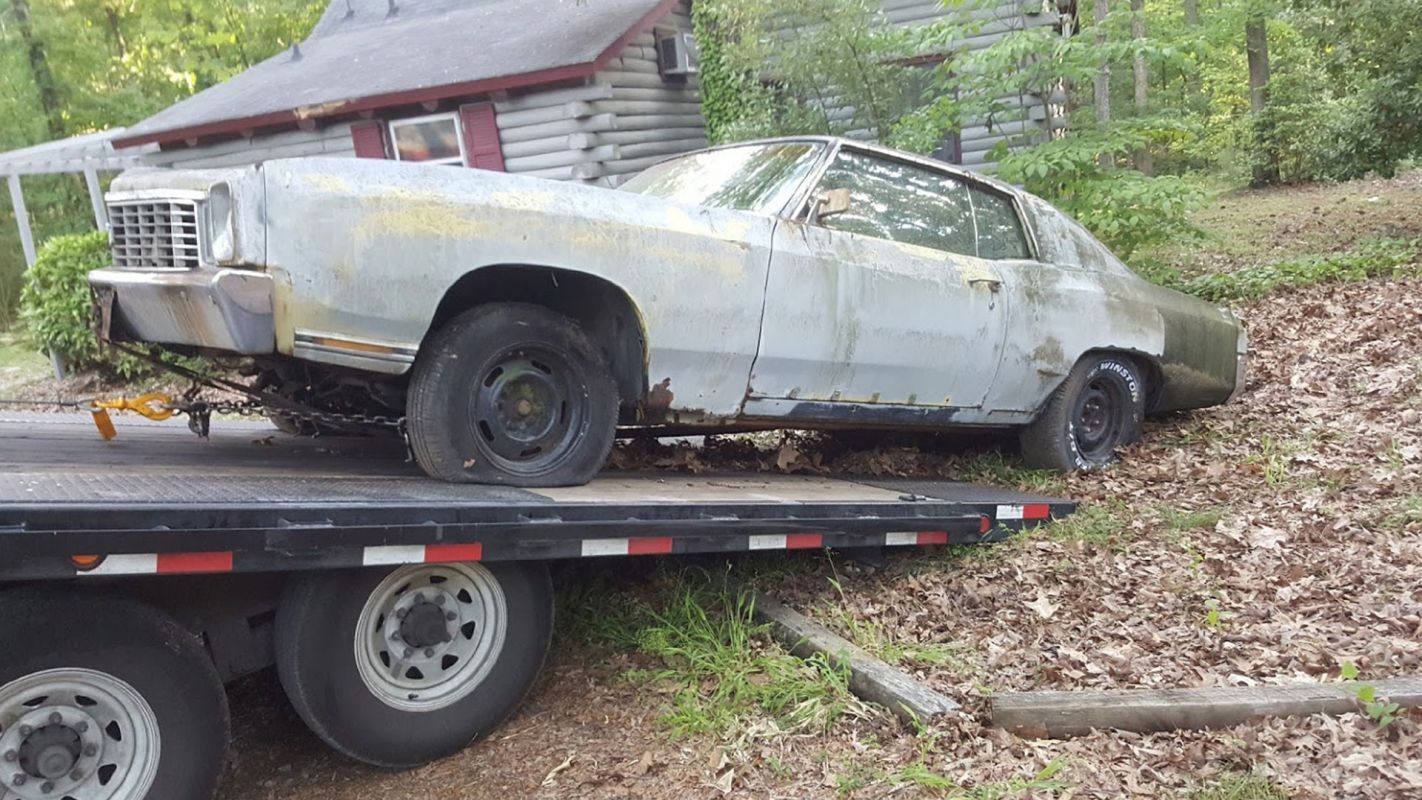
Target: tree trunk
1141 75
1193 88
1102 85
1256 45
39 69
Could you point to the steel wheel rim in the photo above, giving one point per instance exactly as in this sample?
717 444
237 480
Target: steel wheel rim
428 635
76 733
1096 419
527 408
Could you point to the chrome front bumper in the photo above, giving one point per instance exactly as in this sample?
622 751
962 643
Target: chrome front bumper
222 309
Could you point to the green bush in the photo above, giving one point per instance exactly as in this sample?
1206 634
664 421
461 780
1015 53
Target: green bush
57 310
55 301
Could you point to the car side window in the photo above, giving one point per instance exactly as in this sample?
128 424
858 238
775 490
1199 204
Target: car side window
900 202
1000 234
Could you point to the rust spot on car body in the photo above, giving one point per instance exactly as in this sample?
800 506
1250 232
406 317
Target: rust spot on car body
658 401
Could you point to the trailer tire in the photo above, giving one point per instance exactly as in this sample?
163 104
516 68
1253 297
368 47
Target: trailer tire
335 630
102 696
1096 410
512 393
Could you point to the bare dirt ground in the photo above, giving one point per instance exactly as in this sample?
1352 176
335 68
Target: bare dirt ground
1271 540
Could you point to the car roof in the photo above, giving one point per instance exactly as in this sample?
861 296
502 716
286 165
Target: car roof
877 149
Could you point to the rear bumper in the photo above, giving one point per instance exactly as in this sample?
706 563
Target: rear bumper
222 309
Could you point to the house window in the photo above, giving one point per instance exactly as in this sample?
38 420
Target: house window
435 139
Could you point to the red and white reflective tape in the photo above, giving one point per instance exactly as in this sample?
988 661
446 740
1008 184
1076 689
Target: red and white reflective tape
915 538
785 541
162 564
1027 511
644 546
390 555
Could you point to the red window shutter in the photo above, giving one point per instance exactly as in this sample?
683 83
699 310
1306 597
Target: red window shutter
482 149
369 139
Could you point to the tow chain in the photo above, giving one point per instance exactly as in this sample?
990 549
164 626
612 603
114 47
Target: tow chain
159 407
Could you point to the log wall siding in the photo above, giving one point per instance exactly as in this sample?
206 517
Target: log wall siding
626 118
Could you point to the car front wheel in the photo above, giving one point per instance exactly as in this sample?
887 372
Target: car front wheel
1096 411
515 394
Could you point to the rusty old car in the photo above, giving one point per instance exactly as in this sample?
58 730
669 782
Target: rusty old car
518 323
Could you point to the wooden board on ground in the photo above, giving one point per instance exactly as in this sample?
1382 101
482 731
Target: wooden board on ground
869 678
1060 714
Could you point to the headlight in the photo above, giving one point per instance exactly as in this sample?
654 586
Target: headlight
221 226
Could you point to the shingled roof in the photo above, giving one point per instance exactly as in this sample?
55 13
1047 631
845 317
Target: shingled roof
366 54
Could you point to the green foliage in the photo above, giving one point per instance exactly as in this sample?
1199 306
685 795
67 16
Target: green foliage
778 67
55 302
1377 258
1380 710
1242 787
56 307
724 676
1124 208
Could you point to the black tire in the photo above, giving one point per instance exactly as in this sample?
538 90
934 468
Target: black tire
317 653
1096 410
46 632
514 394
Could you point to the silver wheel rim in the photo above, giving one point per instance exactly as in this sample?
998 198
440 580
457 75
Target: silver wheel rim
76 733
429 635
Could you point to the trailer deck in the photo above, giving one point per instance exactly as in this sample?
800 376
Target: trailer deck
158 500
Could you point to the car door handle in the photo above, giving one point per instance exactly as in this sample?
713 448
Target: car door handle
992 283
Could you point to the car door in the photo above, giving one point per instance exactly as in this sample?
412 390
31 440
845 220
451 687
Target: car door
884 308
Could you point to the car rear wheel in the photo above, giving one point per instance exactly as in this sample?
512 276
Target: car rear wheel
1096 411
105 698
512 393
399 667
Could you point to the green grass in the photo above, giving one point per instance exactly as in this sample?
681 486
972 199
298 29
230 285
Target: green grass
722 673
1402 514
1105 524
1241 787
1390 258
20 362
996 469
920 777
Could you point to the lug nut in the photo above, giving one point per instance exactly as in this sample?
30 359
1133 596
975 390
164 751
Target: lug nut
429 652
56 718
409 651
82 727
450 615
400 614
19 779
91 750
439 600
76 776
11 755
26 730
47 787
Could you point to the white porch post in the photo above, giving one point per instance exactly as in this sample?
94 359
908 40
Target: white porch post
96 199
22 218
27 241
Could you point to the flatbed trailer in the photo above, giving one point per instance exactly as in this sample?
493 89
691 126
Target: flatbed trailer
406 617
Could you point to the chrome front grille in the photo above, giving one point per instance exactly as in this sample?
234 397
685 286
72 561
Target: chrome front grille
155 234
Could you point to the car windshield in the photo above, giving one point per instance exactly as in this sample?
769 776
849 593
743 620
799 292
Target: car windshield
759 177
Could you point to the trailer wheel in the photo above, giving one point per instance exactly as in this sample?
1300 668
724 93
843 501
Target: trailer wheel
1096 410
105 698
512 393
400 667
